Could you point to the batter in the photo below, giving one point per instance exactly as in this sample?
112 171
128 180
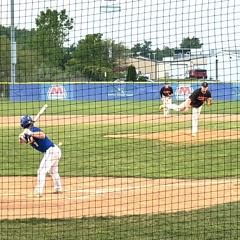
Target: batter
37 139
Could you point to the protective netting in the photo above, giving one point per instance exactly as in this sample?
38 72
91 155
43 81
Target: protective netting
119 119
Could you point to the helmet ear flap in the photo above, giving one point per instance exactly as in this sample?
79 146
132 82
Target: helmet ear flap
30 124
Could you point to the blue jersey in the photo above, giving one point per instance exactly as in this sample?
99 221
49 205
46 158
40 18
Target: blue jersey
42 145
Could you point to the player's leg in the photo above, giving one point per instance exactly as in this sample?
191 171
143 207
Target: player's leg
195 118
165 106
163 103
44 167
166 110
176 107
53 171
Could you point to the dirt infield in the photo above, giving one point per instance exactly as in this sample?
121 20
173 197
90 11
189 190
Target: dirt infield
88 196
183 136
59 120
96 196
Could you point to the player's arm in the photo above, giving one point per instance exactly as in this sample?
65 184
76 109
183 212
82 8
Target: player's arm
161 93
188 105
38 134
22 139
209 101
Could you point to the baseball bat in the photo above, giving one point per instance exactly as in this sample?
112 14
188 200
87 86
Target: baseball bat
40 112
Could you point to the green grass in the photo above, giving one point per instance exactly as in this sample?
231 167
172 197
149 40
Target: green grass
220 222
104 107
87 152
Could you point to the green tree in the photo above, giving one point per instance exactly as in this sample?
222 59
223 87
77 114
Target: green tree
52 32
25 38
165 52
143 49
96 58
93 51
22 36
191 43
131 74
26 66
5 56
90 56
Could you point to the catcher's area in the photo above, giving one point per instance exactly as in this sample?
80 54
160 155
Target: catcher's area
88 196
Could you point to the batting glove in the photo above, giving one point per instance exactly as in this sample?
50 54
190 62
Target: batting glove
27 132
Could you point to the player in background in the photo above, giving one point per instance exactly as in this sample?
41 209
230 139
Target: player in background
166 93
52 154
195 101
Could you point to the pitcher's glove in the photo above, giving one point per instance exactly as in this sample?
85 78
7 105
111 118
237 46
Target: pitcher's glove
209 101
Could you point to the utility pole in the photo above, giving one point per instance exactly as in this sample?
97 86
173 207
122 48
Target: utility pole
13 46
110 10
113 9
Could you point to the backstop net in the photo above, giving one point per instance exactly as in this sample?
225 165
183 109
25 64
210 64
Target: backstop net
119 119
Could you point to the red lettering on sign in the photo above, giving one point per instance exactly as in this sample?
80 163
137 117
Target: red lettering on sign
184 90
56 90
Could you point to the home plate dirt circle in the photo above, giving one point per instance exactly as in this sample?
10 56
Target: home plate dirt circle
99 196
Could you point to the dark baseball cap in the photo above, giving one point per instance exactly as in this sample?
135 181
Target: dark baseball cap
205 84
166 83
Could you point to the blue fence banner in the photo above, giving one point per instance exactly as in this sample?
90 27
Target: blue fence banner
115 91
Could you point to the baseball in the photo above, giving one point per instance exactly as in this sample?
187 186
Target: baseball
60 144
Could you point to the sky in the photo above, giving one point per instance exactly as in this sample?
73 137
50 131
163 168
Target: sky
163 22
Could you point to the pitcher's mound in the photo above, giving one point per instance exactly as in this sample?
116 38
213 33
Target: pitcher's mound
180 136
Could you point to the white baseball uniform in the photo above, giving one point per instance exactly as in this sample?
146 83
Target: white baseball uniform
49 163
166 95
166 101
197 99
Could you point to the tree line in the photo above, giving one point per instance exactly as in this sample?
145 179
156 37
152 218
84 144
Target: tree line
42 55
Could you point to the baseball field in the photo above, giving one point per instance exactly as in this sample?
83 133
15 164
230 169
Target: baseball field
127 172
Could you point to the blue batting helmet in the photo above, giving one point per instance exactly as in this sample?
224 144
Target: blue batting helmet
26 121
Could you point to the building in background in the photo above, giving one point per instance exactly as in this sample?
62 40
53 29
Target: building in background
175 67
183 61
224 66
214 65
